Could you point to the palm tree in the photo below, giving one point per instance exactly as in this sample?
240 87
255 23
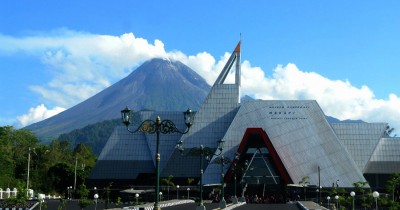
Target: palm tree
190 180
304 182
168 181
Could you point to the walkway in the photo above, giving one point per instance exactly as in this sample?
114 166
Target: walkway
190 205
311 205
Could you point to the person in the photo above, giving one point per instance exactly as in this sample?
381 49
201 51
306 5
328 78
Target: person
255 199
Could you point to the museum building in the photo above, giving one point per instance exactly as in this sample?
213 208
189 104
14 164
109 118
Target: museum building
275 142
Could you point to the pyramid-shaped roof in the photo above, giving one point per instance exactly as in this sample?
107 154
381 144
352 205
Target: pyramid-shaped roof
301 136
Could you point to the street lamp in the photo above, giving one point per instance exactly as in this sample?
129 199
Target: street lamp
337 201
137 197
222 160
202 152
375 194
41 199
177 192
319 195
242 181
352 194
70 192
328 198
237 156
160 196
188 190
69 189
96 196
157 127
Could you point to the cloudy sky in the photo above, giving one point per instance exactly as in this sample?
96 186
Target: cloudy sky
344 54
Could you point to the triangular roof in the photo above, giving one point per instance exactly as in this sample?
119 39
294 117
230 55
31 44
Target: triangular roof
302 137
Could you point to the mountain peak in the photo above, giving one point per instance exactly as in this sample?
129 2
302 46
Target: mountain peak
158 84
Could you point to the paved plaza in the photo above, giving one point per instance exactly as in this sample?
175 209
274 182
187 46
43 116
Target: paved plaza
73 205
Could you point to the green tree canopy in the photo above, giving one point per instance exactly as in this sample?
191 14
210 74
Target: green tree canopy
51 167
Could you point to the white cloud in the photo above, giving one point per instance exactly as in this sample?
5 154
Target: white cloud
337 98
37 114
81 61
89 63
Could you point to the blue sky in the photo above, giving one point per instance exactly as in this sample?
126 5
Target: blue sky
344 54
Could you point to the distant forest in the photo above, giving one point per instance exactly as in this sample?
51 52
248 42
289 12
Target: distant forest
95 135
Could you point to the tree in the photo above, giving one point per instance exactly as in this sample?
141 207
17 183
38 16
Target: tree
20 198
168 181
14 150
304 182
107 194
392 184
63 205
190 180
7 166
83 194
365 192
84 202
61 175
51 167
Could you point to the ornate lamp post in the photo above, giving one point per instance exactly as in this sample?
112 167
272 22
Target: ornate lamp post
222 161
375 194
352 194
157 127
202 152
137 198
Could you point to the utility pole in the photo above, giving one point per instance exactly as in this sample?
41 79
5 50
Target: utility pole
27 179
76 163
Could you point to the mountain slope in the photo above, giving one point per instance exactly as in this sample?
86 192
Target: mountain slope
157 84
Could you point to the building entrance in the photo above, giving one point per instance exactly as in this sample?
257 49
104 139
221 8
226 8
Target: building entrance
260 170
